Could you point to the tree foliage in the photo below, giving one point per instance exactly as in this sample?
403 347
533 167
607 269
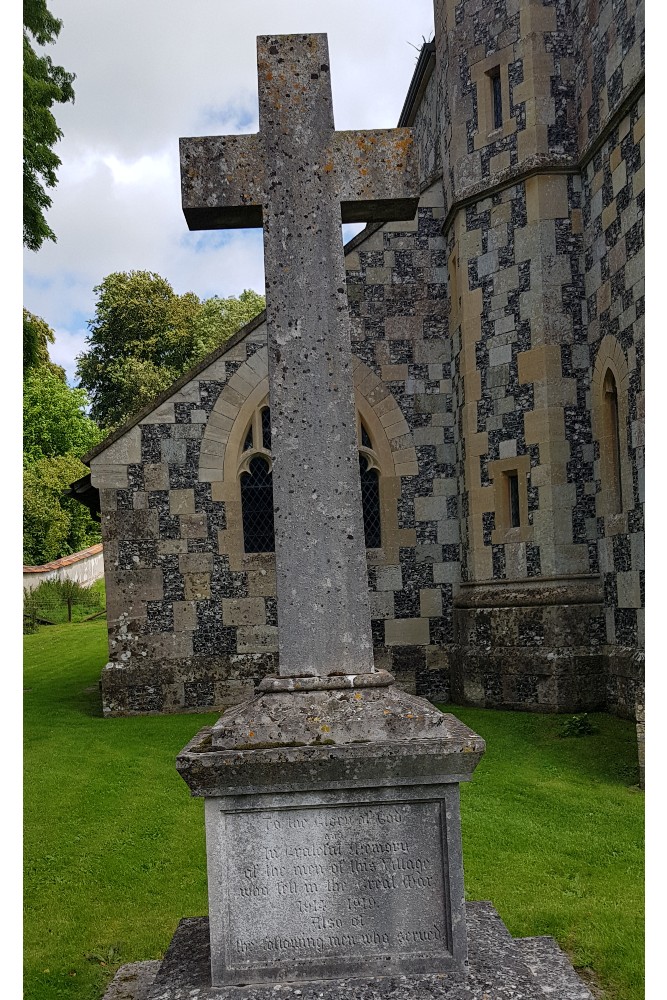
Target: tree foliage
54 418
144 336
37 335
56 433
43 86
54 525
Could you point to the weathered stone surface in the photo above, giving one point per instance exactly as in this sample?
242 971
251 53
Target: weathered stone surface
333 833
323 885
133 981
497 971
298 159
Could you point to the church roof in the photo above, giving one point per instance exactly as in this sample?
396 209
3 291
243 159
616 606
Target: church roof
420 77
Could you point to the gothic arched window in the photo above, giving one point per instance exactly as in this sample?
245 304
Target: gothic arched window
255 472
257 506
257 484
369 471
611 444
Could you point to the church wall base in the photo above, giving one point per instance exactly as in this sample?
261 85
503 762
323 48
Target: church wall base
214 683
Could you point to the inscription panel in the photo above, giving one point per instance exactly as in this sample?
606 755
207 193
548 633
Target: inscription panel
319 884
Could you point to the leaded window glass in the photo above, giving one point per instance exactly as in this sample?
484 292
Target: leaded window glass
257 506
257 485
370 500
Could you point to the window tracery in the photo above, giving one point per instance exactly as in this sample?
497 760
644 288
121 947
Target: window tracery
255 467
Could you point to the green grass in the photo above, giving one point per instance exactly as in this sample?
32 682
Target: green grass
553 835
114 845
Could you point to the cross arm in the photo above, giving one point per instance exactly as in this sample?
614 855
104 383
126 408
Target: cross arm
222 181
376 173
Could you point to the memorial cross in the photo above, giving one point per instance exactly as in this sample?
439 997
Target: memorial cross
298 178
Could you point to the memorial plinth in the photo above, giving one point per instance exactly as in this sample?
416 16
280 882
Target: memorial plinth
333 835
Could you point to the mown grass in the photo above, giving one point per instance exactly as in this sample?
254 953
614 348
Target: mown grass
114 845
553 835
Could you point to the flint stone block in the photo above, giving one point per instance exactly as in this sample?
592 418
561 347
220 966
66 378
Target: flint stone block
130 525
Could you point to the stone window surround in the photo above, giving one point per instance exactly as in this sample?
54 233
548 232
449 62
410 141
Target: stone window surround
611 357
499 472
393 454
482 74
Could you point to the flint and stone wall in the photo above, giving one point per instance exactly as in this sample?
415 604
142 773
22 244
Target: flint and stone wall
192 617
482 332
534 315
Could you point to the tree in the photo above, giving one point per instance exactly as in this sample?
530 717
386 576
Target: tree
37 335
144 336
219 319
54 525
56 432
43 86
54 418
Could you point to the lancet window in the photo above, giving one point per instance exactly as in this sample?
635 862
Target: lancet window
257 484
611 444
255 474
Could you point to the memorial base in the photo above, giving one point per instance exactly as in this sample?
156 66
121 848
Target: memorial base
333 834
500 968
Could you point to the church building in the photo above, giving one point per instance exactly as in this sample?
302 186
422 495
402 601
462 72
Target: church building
498 343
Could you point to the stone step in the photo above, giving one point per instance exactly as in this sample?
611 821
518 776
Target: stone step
552 968
501 968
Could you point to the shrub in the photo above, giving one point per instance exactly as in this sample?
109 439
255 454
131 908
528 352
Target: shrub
577 725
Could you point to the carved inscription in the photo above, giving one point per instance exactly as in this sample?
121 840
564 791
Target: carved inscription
319 883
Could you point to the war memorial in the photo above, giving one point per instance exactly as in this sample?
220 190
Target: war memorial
333 827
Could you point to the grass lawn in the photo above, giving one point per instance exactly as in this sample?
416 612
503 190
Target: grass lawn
114 845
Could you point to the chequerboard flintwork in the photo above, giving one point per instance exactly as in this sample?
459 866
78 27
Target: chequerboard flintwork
498 346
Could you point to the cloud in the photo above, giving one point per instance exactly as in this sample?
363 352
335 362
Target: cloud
150 72
66 348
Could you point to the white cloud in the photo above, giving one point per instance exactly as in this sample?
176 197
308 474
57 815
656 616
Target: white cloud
150 72
65 350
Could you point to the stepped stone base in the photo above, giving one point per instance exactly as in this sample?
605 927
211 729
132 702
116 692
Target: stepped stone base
500 968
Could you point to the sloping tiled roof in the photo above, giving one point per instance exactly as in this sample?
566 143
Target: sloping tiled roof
76 557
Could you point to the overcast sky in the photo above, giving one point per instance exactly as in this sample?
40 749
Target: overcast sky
149 72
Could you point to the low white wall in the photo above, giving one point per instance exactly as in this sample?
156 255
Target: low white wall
83 567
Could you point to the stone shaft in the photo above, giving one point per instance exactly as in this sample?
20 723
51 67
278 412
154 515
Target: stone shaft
322 586
297 177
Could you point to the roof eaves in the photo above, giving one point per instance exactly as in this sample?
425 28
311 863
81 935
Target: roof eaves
420 77
175 387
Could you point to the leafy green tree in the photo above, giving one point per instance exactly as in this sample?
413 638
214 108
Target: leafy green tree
54 525
219 319
37 335
54 418
144 336
56 432
43 86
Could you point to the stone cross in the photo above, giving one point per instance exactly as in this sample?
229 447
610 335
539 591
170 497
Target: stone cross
298 178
